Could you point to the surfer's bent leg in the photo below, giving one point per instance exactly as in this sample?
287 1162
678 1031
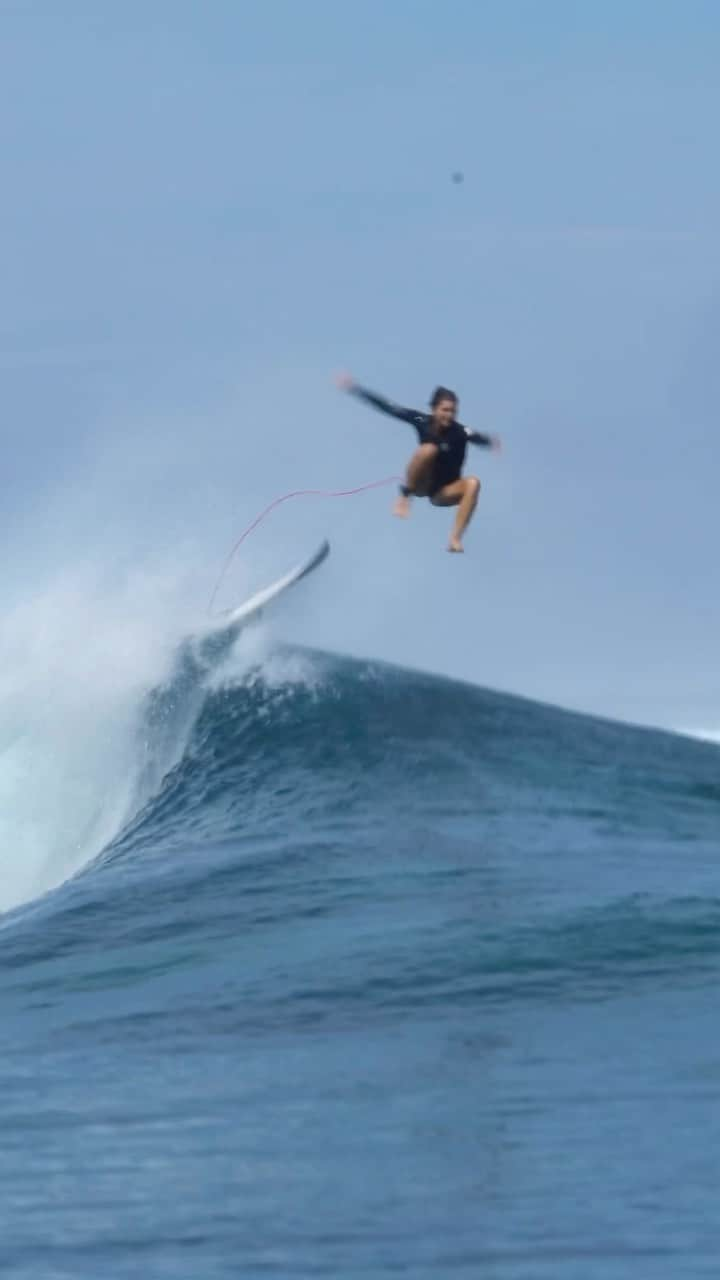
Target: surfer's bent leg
463 494
418 478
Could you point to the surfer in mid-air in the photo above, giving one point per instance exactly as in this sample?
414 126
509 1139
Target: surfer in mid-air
435 469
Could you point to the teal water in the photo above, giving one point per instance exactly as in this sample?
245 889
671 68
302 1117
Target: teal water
388 975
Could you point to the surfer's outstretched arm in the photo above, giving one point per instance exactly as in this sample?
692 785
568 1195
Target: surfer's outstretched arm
346 383
479 437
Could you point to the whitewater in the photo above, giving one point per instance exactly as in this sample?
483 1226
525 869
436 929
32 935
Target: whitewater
318 966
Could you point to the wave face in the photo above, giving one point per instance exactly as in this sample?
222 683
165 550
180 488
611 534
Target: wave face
373 972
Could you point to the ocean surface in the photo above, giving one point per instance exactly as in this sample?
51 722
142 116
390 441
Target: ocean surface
345 970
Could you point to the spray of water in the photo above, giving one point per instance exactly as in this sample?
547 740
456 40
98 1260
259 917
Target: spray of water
77 660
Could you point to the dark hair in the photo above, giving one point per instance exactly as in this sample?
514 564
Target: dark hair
442 393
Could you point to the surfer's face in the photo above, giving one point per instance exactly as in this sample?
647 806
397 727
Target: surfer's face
444 412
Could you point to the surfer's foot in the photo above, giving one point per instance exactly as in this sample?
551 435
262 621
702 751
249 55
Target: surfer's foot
402 507
455 545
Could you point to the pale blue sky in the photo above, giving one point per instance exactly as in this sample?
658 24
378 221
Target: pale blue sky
207 208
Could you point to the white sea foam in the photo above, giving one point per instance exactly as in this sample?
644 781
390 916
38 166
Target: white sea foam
707 735
77 657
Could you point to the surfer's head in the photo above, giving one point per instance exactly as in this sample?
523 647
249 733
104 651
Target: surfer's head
444 405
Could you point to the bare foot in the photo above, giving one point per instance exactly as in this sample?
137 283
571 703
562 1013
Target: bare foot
402 507
455 545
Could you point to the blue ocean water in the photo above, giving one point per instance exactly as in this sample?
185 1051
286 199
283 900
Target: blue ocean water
388 975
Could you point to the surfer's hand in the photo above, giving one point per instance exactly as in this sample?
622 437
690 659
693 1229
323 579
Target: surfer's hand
344 381
496 444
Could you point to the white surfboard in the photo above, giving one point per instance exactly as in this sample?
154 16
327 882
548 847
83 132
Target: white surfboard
234 619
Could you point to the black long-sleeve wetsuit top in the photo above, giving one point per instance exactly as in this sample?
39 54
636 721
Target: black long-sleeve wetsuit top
451 443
